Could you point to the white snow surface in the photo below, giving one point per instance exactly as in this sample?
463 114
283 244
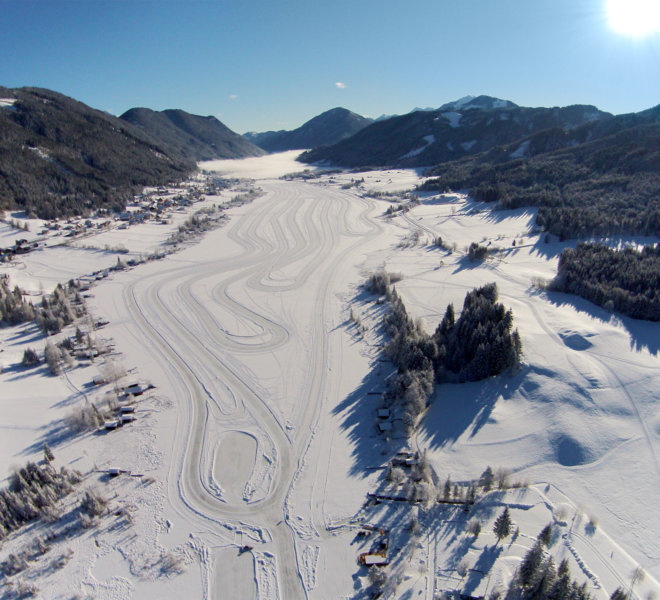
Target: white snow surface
500 104
454 118
428 140
258 167
8 103
260 434
520 151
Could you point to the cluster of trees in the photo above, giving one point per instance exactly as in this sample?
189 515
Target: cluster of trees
412 352
14 309
538 578
25 226
440 243
55 356
627 280
85 418
481 342
607 187
418 485
30 357
60 308
380 282
56 310
32 490
93 504
198 223
477 251
208 218
60 354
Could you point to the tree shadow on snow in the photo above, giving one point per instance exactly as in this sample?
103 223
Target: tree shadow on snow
20 371
56 433
465 263
31 334
466 407
497 215
358 411
551 249
359 417
644 335
481 568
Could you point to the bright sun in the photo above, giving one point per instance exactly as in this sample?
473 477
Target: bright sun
634 17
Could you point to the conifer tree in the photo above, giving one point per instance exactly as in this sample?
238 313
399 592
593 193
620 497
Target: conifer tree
486 479
530 564
545 537
502 527
48 453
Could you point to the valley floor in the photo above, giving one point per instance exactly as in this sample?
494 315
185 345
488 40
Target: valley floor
262 435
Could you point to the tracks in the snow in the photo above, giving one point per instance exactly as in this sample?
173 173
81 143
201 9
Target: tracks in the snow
293 241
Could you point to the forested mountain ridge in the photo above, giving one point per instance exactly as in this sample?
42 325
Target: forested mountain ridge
426 138
60 157
607 186
327 128
558 138
191 136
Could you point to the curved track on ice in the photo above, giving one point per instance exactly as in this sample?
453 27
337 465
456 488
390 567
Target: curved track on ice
296 238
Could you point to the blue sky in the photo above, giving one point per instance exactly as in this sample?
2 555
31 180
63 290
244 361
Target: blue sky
273 64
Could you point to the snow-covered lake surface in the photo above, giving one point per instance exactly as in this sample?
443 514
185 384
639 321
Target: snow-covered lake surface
259 443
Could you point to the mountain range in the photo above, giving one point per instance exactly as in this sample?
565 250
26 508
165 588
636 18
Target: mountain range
327 128
600 178
60 157
191 136
466 127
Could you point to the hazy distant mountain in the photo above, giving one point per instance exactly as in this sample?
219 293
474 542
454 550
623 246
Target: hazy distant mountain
60 157
191 136
327 128
461 128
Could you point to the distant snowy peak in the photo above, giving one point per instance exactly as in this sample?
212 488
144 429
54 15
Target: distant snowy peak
483 102
456 104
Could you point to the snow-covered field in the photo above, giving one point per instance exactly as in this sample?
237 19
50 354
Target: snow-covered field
260 436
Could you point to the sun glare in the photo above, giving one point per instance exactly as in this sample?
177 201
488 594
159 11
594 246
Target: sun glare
634 17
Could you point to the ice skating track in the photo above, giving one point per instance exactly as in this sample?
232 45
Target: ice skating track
295 240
